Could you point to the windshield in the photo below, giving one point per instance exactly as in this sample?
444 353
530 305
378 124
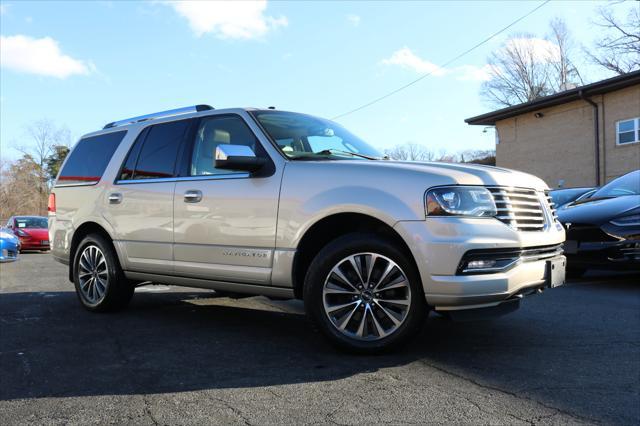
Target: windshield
564 196
31 222
628 184
301 136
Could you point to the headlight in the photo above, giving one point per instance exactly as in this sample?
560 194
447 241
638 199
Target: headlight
632 220
7 236
473 201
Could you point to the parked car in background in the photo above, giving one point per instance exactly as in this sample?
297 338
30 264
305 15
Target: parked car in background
33 232
563 196
8 246
603 230
289 205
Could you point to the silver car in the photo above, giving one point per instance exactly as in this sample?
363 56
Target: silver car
288 205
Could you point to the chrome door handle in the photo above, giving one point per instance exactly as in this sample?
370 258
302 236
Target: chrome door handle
115 198
192 196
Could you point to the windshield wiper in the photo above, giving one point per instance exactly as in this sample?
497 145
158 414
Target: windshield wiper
354 154
590 199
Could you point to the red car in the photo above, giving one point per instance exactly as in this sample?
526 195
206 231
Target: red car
33 232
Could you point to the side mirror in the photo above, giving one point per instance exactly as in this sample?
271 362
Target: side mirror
237 157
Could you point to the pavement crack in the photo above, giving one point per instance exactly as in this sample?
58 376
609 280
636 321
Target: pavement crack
506 392
147 410
234 410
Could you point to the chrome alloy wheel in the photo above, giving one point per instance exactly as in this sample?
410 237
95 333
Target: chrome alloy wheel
93 274
366 296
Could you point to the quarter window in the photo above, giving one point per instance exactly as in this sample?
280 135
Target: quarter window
216 131
89 159
628 131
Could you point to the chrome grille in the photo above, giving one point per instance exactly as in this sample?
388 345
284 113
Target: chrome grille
552 206
519 208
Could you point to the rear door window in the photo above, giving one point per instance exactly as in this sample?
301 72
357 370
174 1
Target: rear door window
157 152
89 159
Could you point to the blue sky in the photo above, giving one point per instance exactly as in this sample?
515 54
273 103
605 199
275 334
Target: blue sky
83 64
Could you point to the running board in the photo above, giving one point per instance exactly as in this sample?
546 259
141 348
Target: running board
258 290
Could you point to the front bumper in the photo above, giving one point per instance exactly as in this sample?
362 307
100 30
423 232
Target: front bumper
605 254
439 244
8 251
31 244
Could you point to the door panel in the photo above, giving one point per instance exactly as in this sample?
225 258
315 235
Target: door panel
143 225
229 235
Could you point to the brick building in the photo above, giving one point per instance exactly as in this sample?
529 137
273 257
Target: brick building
585 136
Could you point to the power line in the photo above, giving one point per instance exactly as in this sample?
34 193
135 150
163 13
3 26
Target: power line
399 89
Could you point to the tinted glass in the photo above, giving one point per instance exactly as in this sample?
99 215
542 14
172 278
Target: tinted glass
130 163
158 155
31 222
90 158
564 196
216 131
628 184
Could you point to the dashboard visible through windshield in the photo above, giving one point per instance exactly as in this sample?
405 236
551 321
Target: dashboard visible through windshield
301 136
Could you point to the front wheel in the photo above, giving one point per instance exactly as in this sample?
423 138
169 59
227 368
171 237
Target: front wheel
99 281
364 294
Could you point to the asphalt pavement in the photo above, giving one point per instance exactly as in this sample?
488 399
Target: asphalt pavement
183 356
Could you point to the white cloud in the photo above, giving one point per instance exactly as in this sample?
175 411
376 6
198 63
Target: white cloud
354 20
228 19
539 49
40 56
405 58
4 8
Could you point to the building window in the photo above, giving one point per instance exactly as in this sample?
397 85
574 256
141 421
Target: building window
628 131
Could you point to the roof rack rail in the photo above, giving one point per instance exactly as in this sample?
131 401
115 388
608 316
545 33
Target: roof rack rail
161 114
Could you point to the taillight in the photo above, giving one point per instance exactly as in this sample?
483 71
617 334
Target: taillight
51 207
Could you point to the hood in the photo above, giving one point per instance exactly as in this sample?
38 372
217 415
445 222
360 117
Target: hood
598 212
462 174
37 233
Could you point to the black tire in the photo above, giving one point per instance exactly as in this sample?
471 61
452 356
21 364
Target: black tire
334 254
117 291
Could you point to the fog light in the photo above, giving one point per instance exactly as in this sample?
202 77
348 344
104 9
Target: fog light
487 265
480 264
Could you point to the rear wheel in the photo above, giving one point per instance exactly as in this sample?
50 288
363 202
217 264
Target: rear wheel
99 281
364 294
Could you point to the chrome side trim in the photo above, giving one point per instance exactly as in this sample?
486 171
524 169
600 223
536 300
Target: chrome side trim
64 185
241 175
213 285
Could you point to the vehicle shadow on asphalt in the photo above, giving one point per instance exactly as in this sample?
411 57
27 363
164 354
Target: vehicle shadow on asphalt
565 356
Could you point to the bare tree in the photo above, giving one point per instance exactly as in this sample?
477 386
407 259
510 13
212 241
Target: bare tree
486 157
418 152
44 137
20 189
565 72
410 152
619 49
525 67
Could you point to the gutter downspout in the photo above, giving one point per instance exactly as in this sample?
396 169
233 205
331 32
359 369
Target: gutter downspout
596 133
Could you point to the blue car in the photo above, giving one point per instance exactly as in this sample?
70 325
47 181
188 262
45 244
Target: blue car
9 246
